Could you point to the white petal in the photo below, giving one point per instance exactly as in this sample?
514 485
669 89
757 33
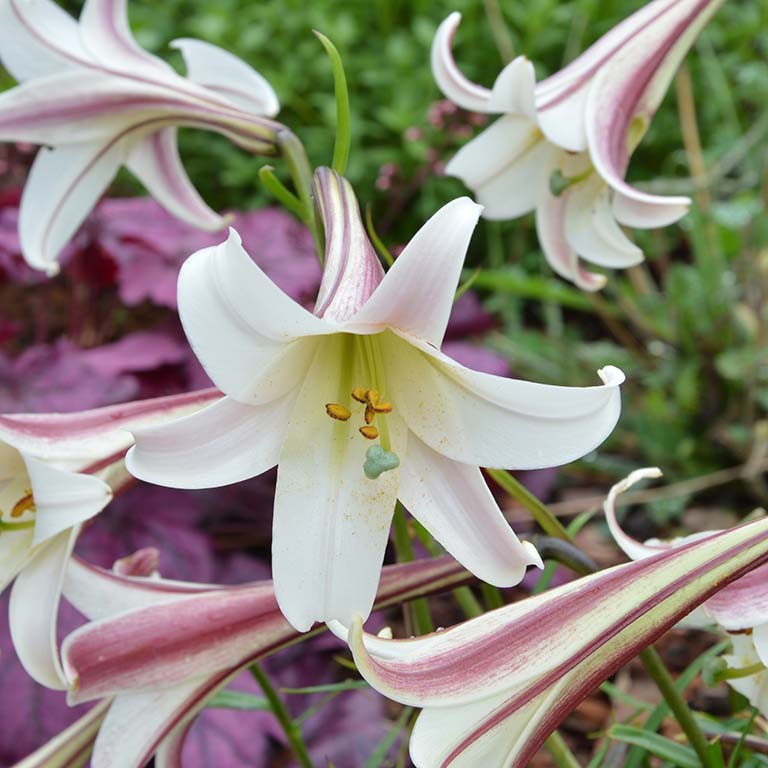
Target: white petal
38 38
63 499
513 91
417 293
490 421
34 607
224 443
550 228
156 163
239 322
453 503
229 76
107 36
639 209
504 166
447 75
760 639
591 229
62 187
331 522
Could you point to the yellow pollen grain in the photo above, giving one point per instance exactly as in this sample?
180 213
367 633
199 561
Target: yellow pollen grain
370 433
25 504
336 411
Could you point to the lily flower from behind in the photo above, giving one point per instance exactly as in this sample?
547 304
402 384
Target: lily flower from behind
97 101
562 146
358 407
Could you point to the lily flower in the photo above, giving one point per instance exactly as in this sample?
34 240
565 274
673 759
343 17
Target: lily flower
56 472
96 101
163 648
358 407
493 688
563 145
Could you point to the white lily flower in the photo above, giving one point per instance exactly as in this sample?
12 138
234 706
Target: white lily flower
56 472
563 145
96 101
358 407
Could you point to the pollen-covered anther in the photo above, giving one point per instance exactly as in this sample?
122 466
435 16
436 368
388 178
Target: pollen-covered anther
370 414
369 432
382 407
24 504
360 394
336 411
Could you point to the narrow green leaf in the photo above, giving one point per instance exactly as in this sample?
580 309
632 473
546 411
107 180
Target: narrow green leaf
281 193
466 285
376 757
378 243
343 132
345 685
229 699
677 754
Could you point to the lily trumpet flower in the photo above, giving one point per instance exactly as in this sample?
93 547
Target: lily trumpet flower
163 648
56 472
358 407
97 101
493 688
563 145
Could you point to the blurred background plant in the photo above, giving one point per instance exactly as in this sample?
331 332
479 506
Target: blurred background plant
690 326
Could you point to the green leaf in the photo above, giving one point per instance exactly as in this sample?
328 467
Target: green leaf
345 685
229 699
677 754
343 132
376 757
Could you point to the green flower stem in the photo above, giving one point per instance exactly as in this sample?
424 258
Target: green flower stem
291 729
541 514
734 674
301 172
491 595
658 672
559 751
284 196
417 610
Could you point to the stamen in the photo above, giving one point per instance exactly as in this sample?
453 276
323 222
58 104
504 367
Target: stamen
24 504
336 411
382 407
372 397
360 394
369 414
370 433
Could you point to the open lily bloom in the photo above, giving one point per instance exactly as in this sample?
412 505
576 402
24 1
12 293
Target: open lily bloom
493 688
163 648
563 145
56 472
359 408
97 101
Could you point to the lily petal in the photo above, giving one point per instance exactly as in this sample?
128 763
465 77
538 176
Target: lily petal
34 606
591 229
227 75
331 523
62 186
491 421
550 228
107 36
38 38
352 270
505 166
231 311
206 449
453 503
155 161
516 672
513 91
447 75
417 293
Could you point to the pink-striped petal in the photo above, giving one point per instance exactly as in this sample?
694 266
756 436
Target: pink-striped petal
352 270
491 421
227 75
155 161
453 503
241 325
38 38
517 671
206 449
447 75
106 35
417 293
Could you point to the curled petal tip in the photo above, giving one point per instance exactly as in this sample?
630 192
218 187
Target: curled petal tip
611 376
535 557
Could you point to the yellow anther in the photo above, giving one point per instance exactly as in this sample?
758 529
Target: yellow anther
370 433
373 398
336 411
360 394
369 414
382 407
24 504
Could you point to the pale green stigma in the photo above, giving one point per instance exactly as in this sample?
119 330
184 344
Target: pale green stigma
377 461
